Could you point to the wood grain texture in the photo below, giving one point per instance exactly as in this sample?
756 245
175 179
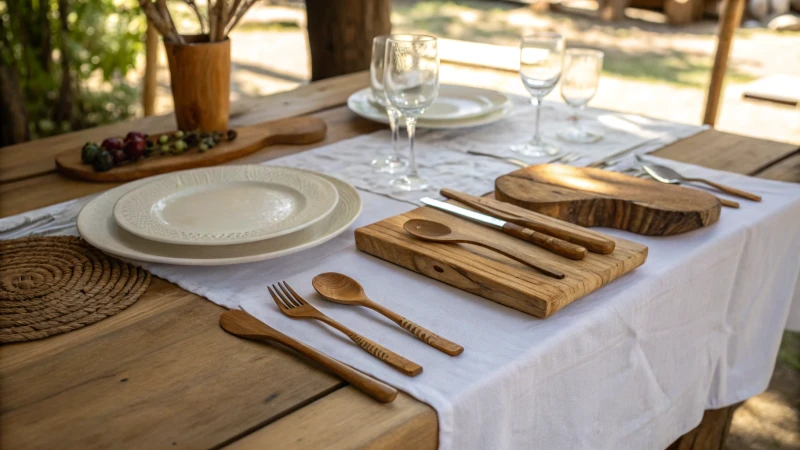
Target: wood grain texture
555 245
591 240
438 232
36 192
598 198
730 19
339 288
200 78
346 419
292 305
242 324
62 378
340 34
710 434
729 152
489 275
294 130
33 158
787 169
160 374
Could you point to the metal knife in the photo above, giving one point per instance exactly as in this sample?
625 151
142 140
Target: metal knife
555 245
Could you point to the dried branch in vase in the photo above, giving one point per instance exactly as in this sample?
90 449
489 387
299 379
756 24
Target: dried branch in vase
223 16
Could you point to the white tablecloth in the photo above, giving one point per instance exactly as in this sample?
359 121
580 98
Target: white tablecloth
632 365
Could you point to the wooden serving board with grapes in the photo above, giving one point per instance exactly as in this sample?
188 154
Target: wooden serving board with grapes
134 156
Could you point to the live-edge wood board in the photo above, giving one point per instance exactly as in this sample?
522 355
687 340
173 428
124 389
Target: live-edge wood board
490 275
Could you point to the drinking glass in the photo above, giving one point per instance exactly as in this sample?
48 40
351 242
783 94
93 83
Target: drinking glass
395 162
411 82
541 57
582 67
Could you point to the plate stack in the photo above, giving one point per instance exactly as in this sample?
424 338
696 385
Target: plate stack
455 107
220 215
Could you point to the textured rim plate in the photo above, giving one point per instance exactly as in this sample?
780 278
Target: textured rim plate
360 104
461 102
97 226
226 205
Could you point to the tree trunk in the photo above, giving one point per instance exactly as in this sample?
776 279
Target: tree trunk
65 108
340 34
13 113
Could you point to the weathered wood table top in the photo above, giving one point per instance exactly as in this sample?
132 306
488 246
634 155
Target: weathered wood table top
163 374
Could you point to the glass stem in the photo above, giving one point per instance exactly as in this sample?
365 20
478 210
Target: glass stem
411 124
576 117
394 123
537 102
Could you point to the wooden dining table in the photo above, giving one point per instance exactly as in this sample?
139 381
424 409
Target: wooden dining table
163 374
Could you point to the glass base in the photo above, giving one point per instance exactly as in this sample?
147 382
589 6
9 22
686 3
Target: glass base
391 164
535 149
579 136
410 183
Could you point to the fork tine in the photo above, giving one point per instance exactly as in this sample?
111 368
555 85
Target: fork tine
276 298
290 296
286 297
296 296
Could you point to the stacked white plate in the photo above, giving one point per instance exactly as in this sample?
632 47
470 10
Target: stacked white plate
220 215
455 107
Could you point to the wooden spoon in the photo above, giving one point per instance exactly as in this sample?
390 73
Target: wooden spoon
429 230
340 288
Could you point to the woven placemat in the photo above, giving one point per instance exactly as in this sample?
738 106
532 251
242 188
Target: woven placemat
52 285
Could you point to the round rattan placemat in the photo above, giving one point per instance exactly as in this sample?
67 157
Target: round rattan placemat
52 285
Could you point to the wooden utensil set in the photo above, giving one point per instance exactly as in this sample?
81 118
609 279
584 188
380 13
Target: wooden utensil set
563 239
344 290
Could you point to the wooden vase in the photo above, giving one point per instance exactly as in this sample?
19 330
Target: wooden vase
200 74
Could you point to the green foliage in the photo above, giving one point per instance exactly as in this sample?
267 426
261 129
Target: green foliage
72 57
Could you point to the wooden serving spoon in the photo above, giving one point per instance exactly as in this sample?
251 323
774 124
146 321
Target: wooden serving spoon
429 230
340 288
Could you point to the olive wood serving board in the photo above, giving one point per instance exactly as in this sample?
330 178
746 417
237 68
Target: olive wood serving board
294 130
599 198
490 275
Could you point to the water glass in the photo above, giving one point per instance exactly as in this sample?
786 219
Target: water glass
411 83
541 57
393 163
582 67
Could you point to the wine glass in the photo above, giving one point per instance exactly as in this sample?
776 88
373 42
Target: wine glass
582 67
541 57
411 82
395 162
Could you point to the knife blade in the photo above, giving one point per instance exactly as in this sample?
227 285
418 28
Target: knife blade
555 245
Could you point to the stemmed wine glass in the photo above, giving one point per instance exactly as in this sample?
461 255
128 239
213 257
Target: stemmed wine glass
395 162
411 82
541 58
582 67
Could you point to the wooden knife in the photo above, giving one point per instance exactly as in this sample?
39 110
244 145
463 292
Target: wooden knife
592 241
555 245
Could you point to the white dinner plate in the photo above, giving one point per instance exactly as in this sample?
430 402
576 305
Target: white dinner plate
97 226
226 205
461 102
360 103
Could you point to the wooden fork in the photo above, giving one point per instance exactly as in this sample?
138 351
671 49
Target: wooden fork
293 306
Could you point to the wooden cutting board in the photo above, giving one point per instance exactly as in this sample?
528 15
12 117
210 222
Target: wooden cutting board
599 198
490 275
294 130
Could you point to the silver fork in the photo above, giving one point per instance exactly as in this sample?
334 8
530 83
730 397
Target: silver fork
295 307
